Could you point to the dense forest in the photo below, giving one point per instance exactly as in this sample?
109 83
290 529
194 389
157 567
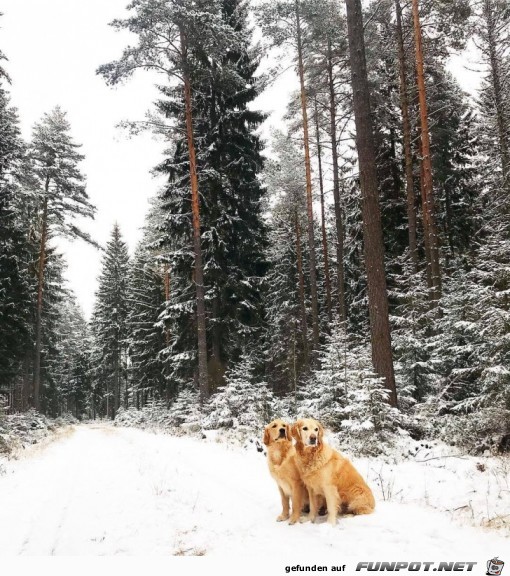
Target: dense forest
354 267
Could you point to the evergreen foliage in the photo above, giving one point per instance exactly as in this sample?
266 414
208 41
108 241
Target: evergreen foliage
110 329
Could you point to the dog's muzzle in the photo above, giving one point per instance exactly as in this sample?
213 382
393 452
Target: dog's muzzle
312 440
282 432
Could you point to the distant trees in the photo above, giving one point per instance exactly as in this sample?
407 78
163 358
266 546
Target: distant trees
148 289
41 192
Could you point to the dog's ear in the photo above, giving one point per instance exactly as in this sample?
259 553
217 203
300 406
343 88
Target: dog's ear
288 433
267 438
295 431
320 435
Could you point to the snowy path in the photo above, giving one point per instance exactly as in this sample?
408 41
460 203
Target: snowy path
103 490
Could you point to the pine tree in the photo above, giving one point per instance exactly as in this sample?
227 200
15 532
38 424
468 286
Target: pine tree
493 29
110 329
283 23
233 237
173 38
62 197
372 236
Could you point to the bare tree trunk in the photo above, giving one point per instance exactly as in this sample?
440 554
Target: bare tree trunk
308 170
372 229
336 190
404 104
429 226
426 225
203 380
301 280
327 277
40 290
488 12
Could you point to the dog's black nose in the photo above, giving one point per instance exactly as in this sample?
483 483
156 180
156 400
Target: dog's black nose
282 432
313 440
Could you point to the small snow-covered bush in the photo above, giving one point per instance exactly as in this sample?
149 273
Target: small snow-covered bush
485 431
244 401
347 396
19 430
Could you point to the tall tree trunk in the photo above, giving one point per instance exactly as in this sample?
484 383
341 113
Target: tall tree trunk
426 224
429 223
39 307
495 71
308 170
167 298
301 281
116 403
372 229
406 124
203 380
336 189
327 277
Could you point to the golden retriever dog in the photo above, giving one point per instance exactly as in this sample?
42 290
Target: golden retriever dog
327 473
281 459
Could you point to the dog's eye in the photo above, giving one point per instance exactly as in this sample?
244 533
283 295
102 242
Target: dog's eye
316 430
274 425
305 428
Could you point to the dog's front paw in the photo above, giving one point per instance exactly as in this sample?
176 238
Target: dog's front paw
282 517
332 519
294 519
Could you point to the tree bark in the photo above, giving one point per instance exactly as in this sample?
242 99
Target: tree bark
496 86
372 229
301 281
429 223
39 307
406 124
167 297
327 277
308 170
336 190
203 380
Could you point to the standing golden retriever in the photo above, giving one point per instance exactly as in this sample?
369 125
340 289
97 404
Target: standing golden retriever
281 458
326 472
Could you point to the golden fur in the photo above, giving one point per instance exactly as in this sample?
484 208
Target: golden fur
281 459
327 473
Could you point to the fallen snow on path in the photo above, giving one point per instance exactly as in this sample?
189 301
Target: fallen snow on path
110 491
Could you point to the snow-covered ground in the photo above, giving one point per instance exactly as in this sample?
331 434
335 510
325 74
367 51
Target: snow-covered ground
102 490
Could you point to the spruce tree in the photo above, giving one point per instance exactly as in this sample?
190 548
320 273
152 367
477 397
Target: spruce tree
233 235
15 289
147 338
110 329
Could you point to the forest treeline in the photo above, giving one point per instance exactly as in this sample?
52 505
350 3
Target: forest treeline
356 266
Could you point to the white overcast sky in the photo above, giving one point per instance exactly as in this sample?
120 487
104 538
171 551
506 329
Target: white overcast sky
54 48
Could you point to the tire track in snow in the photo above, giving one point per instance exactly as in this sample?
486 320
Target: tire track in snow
107 491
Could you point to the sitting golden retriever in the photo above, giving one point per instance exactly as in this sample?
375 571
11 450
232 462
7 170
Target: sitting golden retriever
281 458
327 473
